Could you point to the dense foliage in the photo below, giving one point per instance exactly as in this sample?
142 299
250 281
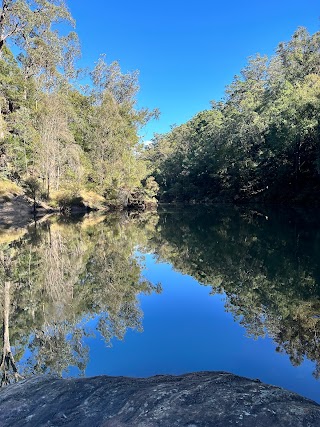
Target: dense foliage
57 139
261 143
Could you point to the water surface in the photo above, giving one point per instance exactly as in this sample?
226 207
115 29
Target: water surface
178 291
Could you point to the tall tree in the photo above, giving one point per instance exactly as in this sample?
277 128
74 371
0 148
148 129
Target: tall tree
115 122
31 26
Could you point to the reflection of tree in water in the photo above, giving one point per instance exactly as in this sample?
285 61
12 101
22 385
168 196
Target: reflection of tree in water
8 366
63 272
265 263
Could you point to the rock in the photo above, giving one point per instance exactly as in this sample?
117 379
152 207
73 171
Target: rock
216 399
15 211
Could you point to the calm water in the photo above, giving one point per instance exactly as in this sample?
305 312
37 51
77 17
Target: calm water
182 290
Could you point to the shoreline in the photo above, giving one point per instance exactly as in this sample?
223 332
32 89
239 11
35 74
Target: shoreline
194 399
17 212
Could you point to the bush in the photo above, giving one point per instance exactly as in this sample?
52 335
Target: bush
66 200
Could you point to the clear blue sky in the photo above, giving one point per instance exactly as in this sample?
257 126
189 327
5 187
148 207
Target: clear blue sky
187 52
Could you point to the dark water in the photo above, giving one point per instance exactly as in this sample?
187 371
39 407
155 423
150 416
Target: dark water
183 290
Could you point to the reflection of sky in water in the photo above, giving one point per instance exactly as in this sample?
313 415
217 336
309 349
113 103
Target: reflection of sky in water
187 330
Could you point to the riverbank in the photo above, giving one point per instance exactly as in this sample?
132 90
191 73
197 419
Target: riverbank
198 399
17 209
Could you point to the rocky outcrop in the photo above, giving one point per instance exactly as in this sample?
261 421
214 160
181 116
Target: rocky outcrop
199 399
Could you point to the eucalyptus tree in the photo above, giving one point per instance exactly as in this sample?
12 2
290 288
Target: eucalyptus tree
115 121
31 26
44 60
57 157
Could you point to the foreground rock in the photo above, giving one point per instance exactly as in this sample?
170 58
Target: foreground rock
200 399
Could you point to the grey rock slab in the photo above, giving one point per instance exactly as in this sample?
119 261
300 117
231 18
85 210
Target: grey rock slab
216 399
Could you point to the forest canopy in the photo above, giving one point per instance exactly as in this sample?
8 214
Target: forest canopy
260 143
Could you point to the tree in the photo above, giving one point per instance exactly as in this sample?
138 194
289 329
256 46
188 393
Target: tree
33 188
31 26
261 143
115 121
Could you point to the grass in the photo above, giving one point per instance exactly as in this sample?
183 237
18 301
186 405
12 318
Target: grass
9 189
92 199
11 235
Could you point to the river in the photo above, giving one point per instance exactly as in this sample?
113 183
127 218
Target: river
180 290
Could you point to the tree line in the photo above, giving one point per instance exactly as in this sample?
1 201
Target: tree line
64 142
260 143
59 140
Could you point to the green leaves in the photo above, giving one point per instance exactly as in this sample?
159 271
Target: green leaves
34 27
260 144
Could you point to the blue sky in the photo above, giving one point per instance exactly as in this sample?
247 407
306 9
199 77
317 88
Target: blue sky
186 52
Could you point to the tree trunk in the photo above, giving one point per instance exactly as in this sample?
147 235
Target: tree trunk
7 360
2 21
6 313
48 186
